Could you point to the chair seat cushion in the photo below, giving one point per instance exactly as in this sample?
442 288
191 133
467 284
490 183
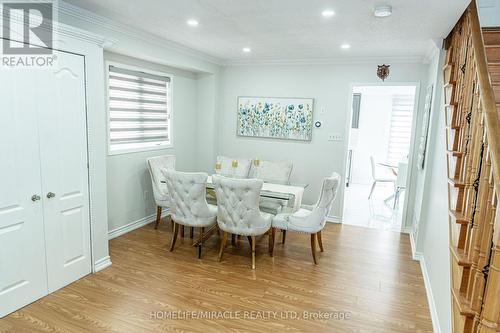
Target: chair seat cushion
296 222
271 206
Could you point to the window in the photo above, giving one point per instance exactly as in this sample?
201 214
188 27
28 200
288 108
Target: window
401 122
139 110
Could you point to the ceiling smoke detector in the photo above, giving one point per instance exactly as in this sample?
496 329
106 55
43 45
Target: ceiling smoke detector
382 11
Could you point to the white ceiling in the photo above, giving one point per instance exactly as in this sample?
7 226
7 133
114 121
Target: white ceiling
278 30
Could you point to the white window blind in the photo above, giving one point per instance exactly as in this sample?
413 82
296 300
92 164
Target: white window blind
400 133
139 109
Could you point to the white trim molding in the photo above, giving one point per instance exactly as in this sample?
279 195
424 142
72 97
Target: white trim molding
419 256
106 23
430 296
135 225
102 263
333 219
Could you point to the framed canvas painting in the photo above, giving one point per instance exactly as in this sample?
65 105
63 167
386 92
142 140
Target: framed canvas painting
275 117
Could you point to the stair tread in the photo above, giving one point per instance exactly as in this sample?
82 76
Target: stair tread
460 256
463 303
455 153
459 217
456 182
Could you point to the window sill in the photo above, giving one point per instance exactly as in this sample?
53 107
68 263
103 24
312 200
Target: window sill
139 150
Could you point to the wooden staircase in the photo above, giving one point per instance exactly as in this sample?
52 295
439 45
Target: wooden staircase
472 98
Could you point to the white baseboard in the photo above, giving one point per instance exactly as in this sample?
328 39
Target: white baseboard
333 219
430 296
134 225
102 263
419 256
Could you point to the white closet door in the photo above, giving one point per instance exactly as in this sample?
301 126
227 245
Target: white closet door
63 151
23 276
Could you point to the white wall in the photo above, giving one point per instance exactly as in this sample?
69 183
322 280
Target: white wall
489 12
127 176
330 86
431 233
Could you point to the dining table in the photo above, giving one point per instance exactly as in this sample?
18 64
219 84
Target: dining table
290 193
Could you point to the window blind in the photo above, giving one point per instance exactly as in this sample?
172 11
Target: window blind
139 109
400 132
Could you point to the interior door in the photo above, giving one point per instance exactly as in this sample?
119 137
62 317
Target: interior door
23 276
63 151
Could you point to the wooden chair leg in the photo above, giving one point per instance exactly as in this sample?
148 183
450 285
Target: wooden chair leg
233 239
158 216
250 240
283 237
320 241
313 248
253 252
191 232
272 234
174 236
201 240
222 245
181 230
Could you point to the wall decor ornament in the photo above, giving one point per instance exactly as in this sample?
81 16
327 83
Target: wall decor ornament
383 71
275 117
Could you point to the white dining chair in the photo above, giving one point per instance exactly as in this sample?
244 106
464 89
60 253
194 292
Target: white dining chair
233 167
189 205
377 178
309 219
160 189
238 210
400 182
271 172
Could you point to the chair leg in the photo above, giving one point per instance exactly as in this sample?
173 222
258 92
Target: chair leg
320 241
233 239
222 245
174 236
396 198
313 248
373 188
283 237
201 240
181 230
158 216
272 234
191 232
253 252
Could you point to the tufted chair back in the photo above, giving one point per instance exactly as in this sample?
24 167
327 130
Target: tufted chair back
187 192
317 219
233 167
268 171
160 190
238 206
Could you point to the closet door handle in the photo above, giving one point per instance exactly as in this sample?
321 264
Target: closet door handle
35 197
51 195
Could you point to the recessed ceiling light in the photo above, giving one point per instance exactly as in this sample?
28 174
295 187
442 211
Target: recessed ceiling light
192 22
247 50
345 46
382 11
327 13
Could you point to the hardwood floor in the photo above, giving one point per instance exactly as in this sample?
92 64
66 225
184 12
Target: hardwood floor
364 273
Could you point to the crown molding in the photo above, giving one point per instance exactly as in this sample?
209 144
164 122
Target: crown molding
108 24
417 59
434 46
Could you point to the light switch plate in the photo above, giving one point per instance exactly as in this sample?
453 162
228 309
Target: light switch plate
334 137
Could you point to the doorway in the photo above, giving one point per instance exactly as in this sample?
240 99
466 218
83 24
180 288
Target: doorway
379 143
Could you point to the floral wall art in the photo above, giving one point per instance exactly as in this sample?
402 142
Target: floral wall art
278 118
